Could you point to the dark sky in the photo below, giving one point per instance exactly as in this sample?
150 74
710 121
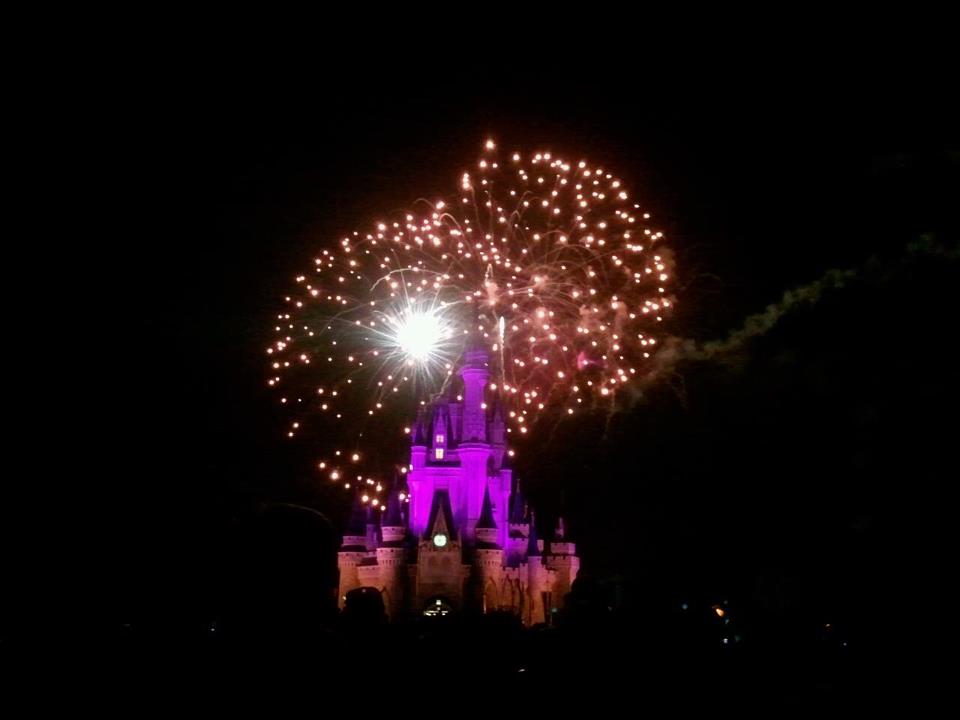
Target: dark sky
801 458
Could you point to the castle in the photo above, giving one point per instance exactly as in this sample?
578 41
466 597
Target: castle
458 544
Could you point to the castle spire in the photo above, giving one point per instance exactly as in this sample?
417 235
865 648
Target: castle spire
441 517
357 524
561 529
393 517
533 547
518 512
420 429
486 512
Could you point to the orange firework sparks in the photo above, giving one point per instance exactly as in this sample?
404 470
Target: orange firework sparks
550 263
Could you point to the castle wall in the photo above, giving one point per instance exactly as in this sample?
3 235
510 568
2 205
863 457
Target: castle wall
347 562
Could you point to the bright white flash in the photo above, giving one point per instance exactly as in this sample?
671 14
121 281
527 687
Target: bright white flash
418 333
421 336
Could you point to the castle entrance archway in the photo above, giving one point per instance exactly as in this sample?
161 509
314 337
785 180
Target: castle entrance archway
437 607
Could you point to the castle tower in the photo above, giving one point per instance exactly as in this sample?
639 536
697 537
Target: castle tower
418 450
391 557
564 563
352 551
519 530
488 567
537 580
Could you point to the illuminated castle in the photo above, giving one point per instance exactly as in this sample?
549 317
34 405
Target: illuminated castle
458 544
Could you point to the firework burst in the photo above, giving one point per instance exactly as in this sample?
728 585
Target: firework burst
551 264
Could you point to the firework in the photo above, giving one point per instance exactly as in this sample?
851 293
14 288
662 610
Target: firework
550 264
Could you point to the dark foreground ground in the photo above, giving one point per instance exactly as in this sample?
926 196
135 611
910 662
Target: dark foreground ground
594 656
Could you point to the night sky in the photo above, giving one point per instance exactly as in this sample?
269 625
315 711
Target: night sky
800 471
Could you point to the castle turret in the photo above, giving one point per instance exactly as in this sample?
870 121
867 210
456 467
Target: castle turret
537 579
518 530
418 448
560 546
392 527
486 525
372 533
563 562
533 542
391 556
441 438
501 507
488 565
518 510
353 550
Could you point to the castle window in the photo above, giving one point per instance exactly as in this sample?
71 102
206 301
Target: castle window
439 453
439 439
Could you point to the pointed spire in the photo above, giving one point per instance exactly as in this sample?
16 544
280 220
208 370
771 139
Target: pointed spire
440 424
357 524
441 516
486 512
393 517
533 547
561 529
420 430
518 511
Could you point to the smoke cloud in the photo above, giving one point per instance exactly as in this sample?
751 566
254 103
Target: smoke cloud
678 349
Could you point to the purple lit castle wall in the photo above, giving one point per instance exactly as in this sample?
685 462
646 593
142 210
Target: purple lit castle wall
464 541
